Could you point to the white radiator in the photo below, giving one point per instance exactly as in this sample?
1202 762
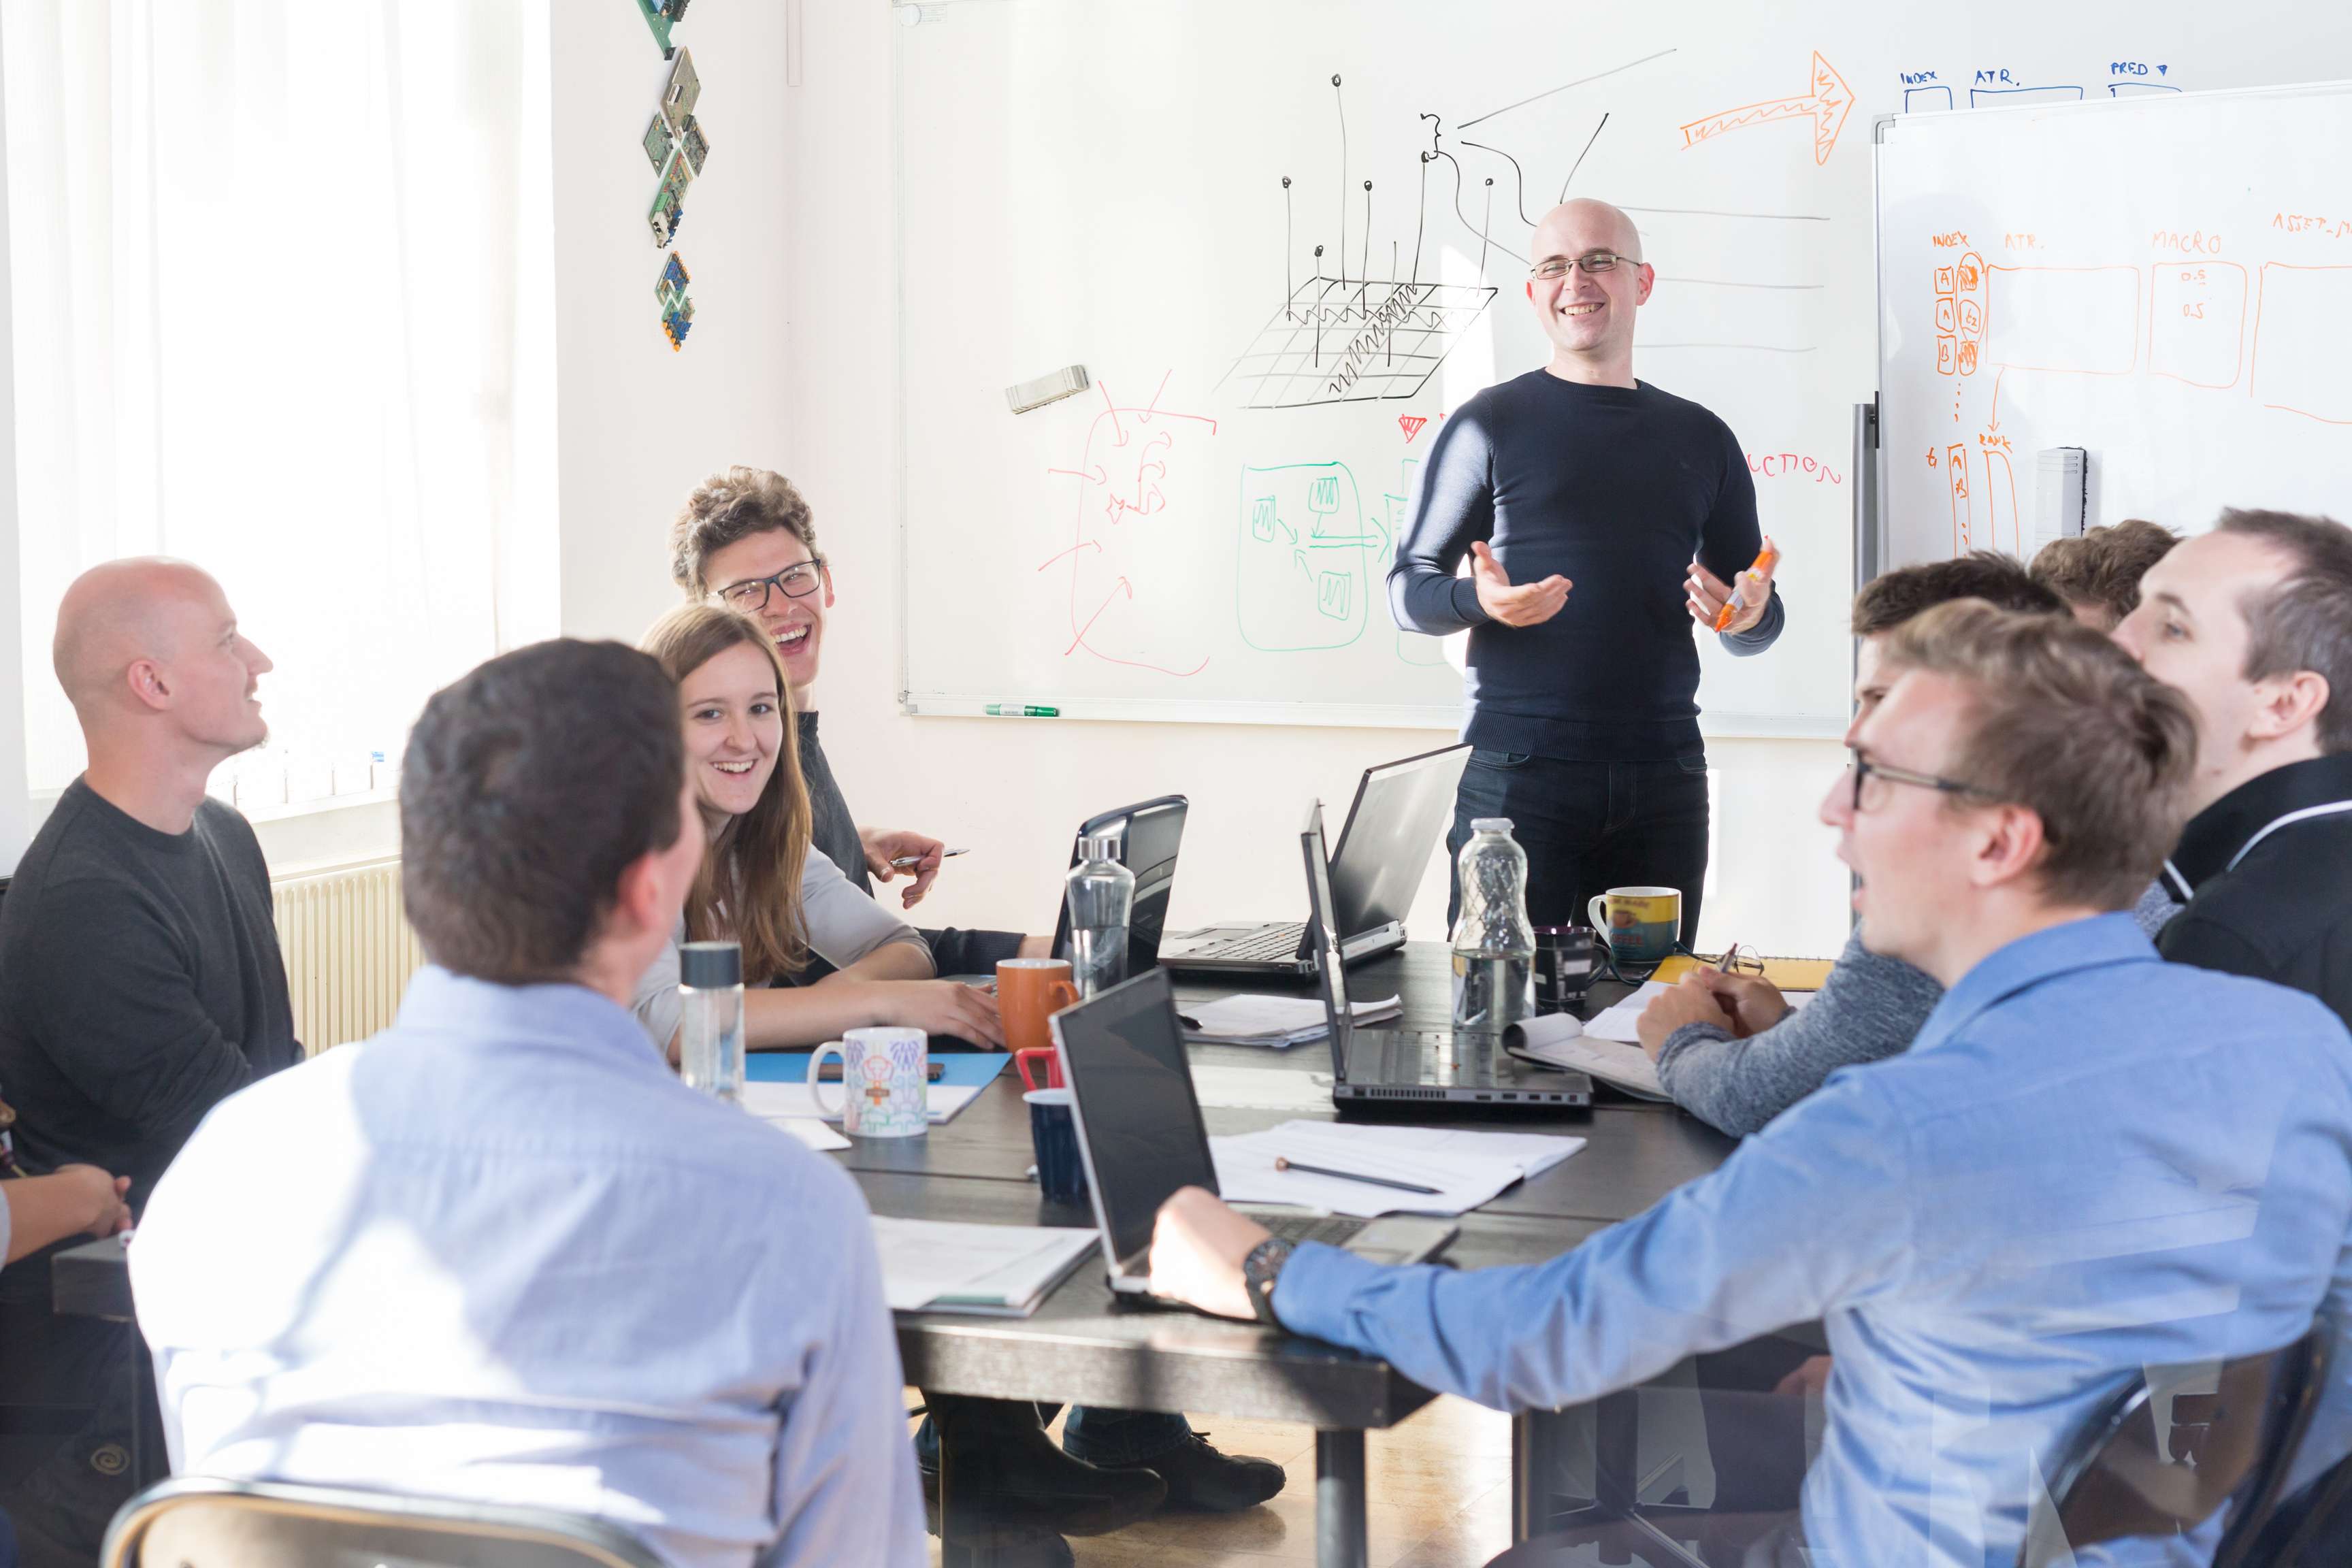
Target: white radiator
349 949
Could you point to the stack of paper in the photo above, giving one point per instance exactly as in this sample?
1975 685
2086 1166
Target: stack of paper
1279 1022
792 1102
1464 1169
996 1270
1557 1040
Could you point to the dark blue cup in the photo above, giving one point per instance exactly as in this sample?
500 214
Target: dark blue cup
1054 1128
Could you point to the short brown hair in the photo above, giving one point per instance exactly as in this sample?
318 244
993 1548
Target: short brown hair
529 785
750 886
730 506
2102 568
2305 623
2064 723
1891 598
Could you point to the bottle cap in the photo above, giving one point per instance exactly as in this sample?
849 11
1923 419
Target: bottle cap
708 965
1490 824
1100 846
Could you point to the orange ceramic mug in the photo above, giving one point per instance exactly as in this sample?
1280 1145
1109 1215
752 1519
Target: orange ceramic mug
1028 992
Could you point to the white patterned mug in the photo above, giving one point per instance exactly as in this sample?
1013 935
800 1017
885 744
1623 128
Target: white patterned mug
884 1079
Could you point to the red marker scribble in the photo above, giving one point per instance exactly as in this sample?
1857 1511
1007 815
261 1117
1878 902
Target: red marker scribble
1124 478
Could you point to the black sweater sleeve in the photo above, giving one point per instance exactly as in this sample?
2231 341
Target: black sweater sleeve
1455 507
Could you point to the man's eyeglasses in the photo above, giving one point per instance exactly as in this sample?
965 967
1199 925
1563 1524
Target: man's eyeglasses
1595 263
797 581
1864 769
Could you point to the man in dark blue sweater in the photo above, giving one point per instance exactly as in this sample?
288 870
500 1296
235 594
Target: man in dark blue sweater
1584 718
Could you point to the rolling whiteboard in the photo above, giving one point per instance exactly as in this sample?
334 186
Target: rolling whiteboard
1281 284
2165 282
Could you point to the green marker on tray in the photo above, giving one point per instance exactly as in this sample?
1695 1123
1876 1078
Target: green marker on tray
1021 711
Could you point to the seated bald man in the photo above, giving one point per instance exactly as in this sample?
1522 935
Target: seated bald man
139 977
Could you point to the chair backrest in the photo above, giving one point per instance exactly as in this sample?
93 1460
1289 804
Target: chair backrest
2229 1448
196 1521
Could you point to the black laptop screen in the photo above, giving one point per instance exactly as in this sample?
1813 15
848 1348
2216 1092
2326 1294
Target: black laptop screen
1125 1054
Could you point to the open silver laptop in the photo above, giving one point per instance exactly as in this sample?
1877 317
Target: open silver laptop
1398 817
1141 1137
1397 1070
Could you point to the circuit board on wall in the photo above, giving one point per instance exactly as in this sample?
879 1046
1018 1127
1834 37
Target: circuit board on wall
661 15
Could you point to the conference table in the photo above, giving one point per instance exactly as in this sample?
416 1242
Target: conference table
1082 1347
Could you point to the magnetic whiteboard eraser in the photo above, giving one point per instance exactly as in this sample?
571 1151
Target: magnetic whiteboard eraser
1066 381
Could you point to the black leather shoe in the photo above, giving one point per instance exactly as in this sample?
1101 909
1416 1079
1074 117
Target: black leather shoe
1200 1478
1005 1477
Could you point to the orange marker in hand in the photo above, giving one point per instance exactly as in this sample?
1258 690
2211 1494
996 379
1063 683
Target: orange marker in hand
1766 559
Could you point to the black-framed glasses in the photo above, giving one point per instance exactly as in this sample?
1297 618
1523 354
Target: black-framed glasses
1592 262
794 581
1864 769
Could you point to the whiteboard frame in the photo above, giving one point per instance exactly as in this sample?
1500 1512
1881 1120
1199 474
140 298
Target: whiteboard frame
1884 130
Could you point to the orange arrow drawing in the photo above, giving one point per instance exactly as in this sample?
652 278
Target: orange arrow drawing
1827 105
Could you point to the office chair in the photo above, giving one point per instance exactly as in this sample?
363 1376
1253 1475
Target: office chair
198 1522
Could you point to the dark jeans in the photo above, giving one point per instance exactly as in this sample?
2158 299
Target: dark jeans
70 1377
1590 827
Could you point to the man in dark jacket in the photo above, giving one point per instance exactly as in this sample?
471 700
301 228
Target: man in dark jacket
2253 621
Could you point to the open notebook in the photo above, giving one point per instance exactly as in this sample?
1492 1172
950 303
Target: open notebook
995 1270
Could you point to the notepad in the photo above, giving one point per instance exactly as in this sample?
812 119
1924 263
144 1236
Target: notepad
995 1270
1622 1022
1556 1040
1279 1022
1788 973
1466 1168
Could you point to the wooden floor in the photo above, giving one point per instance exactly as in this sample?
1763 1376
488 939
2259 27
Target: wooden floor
1441 1497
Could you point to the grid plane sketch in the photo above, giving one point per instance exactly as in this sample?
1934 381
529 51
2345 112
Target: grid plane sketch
1353 340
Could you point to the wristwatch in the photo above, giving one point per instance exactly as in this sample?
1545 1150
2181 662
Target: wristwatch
1259 1271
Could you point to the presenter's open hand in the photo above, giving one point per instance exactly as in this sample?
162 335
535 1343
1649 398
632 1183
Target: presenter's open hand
1197 1247
1526 604
884 844
1707 594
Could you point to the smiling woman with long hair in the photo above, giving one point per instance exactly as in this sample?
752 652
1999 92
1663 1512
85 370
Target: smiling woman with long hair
763 883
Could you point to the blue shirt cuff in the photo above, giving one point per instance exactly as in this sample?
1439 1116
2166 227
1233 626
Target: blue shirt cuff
1312 1292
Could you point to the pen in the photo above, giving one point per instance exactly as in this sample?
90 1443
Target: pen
1766 559
918 859
1283 1163
1723 964
1021 711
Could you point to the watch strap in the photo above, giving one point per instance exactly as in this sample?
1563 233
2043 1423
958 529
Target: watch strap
1260 1270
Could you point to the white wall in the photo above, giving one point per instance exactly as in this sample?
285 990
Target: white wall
636 423
1014 789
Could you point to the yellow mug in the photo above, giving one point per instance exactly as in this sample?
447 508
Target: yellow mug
1642 924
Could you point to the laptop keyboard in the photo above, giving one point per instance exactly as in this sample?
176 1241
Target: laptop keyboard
1331 1229
1275 942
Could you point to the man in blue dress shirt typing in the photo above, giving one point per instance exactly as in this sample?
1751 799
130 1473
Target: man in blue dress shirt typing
517 1260
2090 1162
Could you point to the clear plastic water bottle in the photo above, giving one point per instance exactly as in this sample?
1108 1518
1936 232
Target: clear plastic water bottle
1494 942
1101 896
710 1018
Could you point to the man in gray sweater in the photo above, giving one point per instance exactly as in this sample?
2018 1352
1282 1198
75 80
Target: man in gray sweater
1729 1047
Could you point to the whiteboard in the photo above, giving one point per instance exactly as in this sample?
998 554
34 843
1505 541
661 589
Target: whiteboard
2165 282
1205 533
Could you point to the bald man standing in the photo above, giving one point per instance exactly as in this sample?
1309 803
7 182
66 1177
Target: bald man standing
1601 517
140 976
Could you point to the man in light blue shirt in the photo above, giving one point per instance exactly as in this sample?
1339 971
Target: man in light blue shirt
2089 1162
500 1251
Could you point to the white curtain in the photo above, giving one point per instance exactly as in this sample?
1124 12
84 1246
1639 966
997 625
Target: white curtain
281 275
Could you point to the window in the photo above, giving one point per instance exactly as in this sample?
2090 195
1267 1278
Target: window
281 287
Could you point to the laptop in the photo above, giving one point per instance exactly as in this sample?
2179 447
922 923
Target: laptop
1149 832
1141 1137
1399 812
1393 1069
